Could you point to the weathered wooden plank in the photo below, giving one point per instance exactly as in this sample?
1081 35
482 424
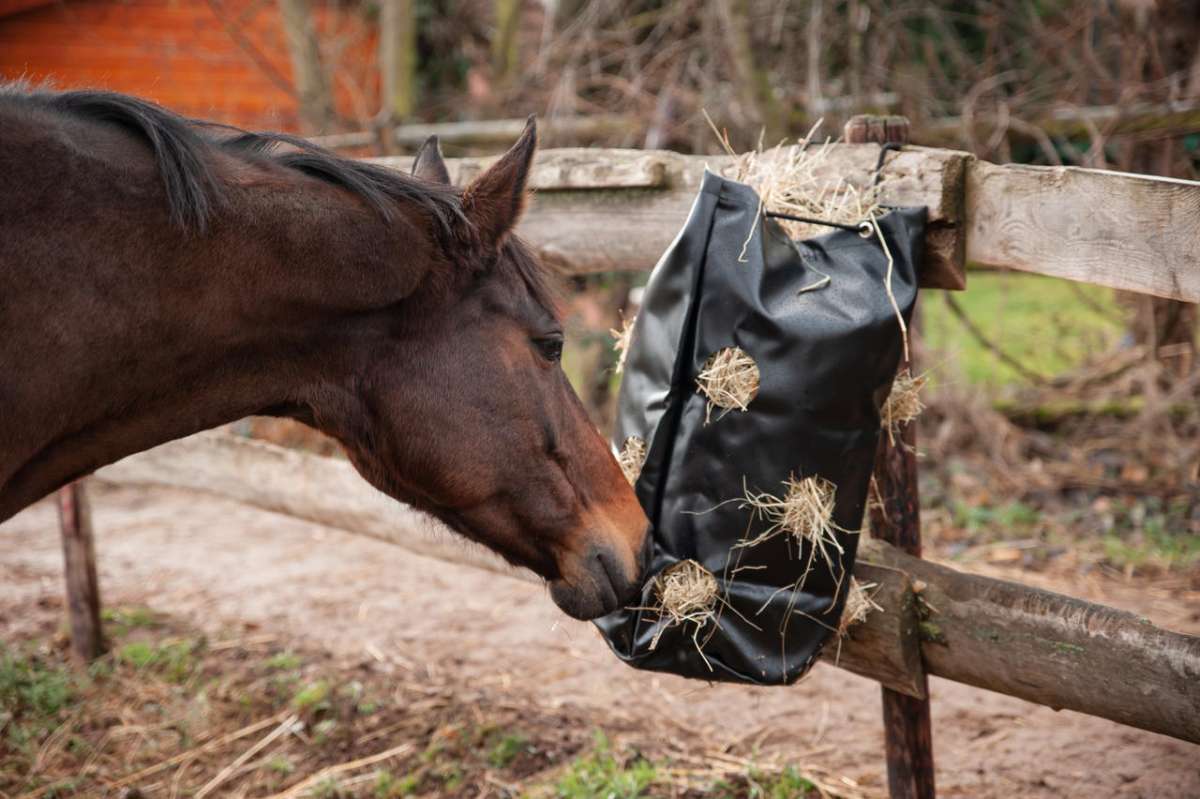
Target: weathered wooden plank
79 558
607 210
1131 232
1052 649
1036 645
886 647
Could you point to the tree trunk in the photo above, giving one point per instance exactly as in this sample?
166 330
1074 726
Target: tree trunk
397 66
308 74
504 45
1166 328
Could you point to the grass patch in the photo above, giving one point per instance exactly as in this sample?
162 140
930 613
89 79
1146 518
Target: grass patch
311 696
123 619
33 697
1048 325
1008 520
599 773
283 661
505 750
173 659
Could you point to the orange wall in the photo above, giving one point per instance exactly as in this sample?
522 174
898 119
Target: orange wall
180 53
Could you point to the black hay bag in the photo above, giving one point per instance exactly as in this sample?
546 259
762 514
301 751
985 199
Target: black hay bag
816 318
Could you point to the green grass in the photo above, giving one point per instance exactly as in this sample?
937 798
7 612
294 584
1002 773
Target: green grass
121 620
33 696
283 661
173 659
505 750
1048 325
787 784
1011 519
311 696
599 774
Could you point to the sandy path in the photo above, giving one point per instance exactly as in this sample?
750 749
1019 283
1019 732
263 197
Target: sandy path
217 564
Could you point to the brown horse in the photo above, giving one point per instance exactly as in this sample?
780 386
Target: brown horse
160 276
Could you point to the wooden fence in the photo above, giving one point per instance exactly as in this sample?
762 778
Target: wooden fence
600 210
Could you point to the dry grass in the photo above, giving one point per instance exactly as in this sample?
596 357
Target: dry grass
805 514
795 179
729 380
904 403
687 593
860 603
621 342
631 457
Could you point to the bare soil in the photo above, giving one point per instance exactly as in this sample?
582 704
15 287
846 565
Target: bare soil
220 566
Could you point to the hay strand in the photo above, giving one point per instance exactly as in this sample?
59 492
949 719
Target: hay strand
860 603
729 380
903 404
805 512
631 457
887 284
793 179
621 342
686 593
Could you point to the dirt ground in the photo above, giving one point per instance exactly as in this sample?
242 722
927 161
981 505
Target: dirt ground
217 564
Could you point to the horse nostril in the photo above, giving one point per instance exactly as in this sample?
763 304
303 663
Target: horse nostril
624 587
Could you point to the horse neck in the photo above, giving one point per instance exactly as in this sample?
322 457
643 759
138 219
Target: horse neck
132 334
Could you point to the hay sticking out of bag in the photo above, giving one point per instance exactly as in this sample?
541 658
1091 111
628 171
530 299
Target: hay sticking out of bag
631 457
903 404
798 179
729 379
805 512
859 604
621 342
687 593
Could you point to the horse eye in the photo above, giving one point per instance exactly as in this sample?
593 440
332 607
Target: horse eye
550 347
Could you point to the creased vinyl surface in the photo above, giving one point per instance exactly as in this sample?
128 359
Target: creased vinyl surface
826 359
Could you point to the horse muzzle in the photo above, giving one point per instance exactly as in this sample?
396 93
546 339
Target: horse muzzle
604 580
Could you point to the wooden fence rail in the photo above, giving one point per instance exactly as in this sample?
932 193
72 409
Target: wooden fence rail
601 210
1036 645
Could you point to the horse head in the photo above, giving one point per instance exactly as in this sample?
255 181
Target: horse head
465 411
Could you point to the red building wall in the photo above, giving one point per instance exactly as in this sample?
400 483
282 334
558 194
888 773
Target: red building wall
223 60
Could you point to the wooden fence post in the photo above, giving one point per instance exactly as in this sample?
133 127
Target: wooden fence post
896 519
79 557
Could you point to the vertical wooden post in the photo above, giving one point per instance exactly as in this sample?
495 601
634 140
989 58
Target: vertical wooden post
896 519
79 556
908 735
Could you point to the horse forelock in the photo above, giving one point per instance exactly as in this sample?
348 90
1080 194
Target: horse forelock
519 267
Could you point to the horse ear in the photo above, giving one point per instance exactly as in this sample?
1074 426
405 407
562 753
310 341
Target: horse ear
494 200
429 164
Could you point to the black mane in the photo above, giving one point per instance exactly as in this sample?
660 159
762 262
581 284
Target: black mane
182 149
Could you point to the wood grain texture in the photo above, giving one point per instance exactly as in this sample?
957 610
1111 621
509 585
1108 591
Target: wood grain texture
1054 650
79 558
1036 645
896 519
886 646
598 210
1131 232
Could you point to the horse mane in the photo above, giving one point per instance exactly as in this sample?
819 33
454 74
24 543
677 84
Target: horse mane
183 147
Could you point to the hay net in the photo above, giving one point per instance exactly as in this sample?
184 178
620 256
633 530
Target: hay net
752 417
